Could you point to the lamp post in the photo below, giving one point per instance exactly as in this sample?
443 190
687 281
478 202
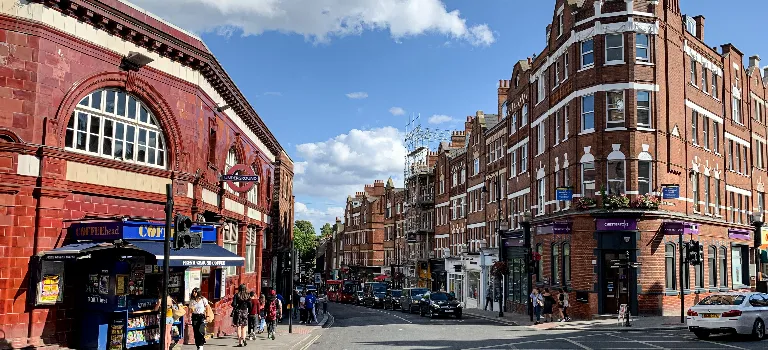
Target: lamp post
526 223
757 222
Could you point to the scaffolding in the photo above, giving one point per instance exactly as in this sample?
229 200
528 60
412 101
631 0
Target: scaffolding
419 140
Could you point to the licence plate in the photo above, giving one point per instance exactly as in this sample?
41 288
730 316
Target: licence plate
448 310
710 315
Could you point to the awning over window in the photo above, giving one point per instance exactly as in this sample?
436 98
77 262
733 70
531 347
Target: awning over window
76 250
208 254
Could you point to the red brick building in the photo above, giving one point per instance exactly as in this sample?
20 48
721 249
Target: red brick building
85 134
626 98
364 233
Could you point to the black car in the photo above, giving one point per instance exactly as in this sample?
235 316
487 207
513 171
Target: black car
439 304
392 299
374 298
358 298
409 301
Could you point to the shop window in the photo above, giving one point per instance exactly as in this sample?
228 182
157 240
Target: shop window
669 267
540 270
712 265
698 273
722 258
737 265
115 125
230 243
566 263
555 264
250 250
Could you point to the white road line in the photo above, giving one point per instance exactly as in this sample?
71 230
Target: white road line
578 344
393 315
301 341
305 347
537 341
726 345
636 341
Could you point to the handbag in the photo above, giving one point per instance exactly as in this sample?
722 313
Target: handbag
209 315
179 311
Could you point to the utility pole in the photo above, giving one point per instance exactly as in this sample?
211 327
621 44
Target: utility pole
166 261
682 285
290 292
526 223
500 243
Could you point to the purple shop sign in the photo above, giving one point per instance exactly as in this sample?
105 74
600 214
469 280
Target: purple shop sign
558 228
739 234
616 224
680 228
514 242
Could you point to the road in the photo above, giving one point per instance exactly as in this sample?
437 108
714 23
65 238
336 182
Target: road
356 327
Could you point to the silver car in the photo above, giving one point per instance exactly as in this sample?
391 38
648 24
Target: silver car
734 313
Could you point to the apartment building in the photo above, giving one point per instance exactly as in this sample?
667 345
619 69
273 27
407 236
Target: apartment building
363 236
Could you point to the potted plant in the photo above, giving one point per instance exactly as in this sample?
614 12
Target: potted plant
615 201
647 201
584 203
499 269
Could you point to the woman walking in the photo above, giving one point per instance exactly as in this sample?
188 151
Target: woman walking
538 301
564 304
549 302
253 316
168 318
198 304
241 307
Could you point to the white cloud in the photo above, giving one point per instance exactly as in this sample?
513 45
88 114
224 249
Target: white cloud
320 20
396 111
357 95
439 119
273 93
318 217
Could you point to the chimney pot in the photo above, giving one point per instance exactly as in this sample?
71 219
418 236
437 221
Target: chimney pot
699 27
754 61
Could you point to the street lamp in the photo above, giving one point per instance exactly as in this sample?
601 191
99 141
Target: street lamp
526 223
757 222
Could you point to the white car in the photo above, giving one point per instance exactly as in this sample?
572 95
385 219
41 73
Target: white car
737 312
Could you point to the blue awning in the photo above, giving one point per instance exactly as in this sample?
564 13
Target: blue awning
75 250
208 254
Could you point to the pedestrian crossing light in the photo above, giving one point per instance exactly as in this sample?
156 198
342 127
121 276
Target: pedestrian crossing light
184 237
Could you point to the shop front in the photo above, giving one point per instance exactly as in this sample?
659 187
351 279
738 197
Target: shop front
517 281
742 271
456 279
437 269
616 242
113 270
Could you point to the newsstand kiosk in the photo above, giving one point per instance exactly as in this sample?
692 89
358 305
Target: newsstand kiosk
118 265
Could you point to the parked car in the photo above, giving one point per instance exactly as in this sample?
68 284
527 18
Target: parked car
392 299
409 301
374 298
436 304
735 313
358 298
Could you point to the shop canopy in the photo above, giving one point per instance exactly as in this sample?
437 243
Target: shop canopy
208 254
76 250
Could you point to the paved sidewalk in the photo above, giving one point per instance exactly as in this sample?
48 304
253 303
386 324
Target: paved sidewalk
636 323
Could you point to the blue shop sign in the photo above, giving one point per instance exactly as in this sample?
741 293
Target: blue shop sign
670 191
131 230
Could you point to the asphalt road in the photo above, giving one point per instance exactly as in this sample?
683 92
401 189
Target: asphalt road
356 327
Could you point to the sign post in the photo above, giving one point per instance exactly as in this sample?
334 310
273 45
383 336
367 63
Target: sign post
166 260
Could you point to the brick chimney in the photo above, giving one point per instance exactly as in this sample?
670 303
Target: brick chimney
699 27
754 61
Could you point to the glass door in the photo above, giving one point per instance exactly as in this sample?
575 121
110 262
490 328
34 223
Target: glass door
615 285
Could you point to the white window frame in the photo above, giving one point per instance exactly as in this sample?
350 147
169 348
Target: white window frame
715 138
736 110
231 241
646 178
513 123
589 53
620 48
253 193
646 108
542 91
621 107
541 138
524 158
231 160
565 65
557 74
646 47
524 116
542 195
557 127
566 117
250 251
623 176
584 189
694 75
476 167
513 163
584 113
694 127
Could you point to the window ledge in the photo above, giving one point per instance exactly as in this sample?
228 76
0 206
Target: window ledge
583 68
644 128
587 131
617 128
645 63
614 63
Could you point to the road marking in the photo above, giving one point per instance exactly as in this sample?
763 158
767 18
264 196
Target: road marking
301 341
393 315
537 341
305 347
726 345
637 341
578 344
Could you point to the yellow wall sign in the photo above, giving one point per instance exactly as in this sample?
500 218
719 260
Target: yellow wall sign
48 289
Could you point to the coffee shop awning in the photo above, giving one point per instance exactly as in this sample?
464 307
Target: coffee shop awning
209 254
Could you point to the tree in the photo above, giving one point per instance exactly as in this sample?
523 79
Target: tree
305 239
326 231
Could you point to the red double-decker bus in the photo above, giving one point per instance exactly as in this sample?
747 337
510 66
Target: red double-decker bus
347 290
332 289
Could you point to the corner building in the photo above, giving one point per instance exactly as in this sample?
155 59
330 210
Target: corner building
89 140
627 97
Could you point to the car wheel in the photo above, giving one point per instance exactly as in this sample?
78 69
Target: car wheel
758 330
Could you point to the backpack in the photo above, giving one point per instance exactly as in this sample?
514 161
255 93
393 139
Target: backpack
272 310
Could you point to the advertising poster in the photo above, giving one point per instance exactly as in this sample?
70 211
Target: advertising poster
121 284
48 289
116 334
192 280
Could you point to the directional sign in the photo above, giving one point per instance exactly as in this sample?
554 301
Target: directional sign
240 178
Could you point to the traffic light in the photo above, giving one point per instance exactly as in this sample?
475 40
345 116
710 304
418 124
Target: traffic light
184 238
699 249
694 252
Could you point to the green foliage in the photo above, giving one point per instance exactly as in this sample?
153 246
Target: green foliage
326 230
304 239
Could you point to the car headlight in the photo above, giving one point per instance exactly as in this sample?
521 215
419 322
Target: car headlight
376 298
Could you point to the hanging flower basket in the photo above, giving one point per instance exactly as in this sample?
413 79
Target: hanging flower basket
615 201
647 201
499 269
585 203
399 276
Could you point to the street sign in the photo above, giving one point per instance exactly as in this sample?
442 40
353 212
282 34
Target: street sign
670 191
240 178
564 193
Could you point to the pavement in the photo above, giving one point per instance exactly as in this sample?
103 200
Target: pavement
299 339
357 327
602 324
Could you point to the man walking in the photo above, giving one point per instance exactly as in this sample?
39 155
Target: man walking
488 298
310 303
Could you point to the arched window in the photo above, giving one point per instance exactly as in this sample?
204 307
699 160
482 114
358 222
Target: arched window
711 264
555 261
723 272
231 161
253 193
566 263
113 124
669 266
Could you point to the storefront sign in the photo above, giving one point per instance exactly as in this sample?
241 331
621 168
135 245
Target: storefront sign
670 191
616 224
564 193
514 242
739 234
203 263
763 238
680 228
96 231
558 228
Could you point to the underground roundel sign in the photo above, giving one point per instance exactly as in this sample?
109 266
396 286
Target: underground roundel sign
240 178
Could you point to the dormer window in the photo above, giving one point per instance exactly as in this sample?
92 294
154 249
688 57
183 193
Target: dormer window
690 25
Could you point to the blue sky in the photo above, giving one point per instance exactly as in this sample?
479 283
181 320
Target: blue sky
327 92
